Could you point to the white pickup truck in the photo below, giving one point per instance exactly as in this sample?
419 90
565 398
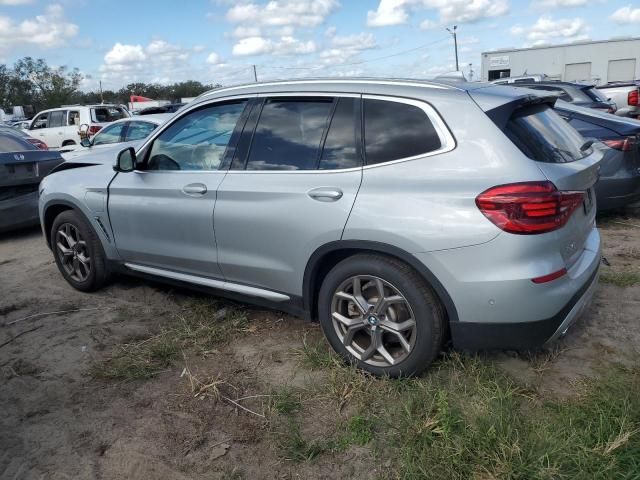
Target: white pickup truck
625 95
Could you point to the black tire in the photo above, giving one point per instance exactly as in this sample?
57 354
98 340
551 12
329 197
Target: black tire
66 143
98 271
427 311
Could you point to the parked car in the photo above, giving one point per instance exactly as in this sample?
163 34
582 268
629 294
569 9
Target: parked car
578 94
619 139
60 127
534 77
22 166
170 108
22 134
128 131
396 213
21 124
625 95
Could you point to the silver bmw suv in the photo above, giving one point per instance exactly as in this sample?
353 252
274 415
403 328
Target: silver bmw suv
397 214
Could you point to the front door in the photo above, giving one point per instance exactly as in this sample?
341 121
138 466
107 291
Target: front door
162 213
290 188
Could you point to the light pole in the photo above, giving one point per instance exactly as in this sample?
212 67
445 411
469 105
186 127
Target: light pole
455 43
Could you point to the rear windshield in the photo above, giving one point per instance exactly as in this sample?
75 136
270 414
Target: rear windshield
107 114
596 95
542 135
13 143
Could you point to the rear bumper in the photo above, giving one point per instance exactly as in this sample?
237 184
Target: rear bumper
617 192
525 335
19 212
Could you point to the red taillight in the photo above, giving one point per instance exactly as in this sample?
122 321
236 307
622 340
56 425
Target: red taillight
93 129
38 143
528 208
552 276
632 97
622 144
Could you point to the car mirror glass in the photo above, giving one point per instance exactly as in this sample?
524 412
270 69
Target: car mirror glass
126 160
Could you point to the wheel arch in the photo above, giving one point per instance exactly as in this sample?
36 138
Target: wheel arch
50 212
329 255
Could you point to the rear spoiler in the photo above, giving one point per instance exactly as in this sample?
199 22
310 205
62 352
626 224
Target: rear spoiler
499 107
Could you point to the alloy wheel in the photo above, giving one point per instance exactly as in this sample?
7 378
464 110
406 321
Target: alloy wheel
73 253
373 320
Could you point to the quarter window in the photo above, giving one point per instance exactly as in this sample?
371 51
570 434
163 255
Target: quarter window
340 149
395 130
197 141
288 134
110 134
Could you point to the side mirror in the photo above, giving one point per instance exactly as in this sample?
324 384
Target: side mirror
85 142
126 160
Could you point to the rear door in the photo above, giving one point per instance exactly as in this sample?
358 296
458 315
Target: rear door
162 213
290 188
56 130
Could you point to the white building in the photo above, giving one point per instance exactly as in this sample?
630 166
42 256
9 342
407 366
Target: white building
595 62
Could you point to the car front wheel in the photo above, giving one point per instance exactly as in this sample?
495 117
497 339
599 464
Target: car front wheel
378 313
78 252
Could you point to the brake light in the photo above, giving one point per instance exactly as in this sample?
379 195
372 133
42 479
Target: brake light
93 129
528 208
38 143
622 144
632 97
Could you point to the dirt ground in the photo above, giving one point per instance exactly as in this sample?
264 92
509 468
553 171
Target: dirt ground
57 422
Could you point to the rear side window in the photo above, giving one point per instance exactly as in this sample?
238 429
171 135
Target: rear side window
139 130
394 130
340 150
542 135
110 134
58 119
288 135
107 114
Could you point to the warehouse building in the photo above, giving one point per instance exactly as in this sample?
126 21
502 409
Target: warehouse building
596 62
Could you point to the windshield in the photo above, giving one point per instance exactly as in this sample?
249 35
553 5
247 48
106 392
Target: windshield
595 95
542 135
107 114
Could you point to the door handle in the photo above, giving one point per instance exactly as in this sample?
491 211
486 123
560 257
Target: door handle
194 189
325 194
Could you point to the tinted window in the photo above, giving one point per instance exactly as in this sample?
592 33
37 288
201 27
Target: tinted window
58 119
557 91
110 134
139 130
340 145
288 135
107 114
396 130
12 143
196 141
542 135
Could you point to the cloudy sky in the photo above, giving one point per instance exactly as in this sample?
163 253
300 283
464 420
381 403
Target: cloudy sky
218 41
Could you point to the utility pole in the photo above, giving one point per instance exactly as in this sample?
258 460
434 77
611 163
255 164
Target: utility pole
101 97
255 75
471 72
455 43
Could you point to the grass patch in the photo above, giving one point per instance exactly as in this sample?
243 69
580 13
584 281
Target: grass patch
316 355
467 419
201 325
625 278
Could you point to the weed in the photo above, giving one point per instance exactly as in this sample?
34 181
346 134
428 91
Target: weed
287 401
625 278
316 355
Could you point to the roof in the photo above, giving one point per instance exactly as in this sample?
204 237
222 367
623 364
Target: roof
562 45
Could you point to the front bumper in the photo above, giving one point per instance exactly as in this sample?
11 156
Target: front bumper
19 212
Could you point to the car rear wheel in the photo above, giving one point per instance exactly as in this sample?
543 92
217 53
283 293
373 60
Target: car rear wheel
78 252
379 314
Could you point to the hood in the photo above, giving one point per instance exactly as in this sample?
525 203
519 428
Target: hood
100 154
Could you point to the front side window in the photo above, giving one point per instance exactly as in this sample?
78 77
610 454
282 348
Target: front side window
41 121
394 130
110 134
139 130
197 141
542 135
288 134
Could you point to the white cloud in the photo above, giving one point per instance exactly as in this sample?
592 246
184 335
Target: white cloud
199 48
286 45
428 25
396 12
558 3
389 12
279 13
246 32
626 15
49 30
15 2
546 30
213 59
124 54
343 49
